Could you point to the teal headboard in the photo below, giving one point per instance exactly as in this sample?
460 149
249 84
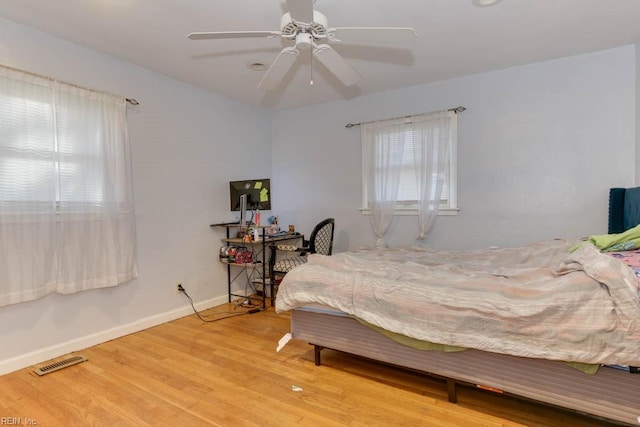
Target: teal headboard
624 209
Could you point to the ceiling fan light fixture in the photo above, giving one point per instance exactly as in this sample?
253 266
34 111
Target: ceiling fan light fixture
485 3
304 41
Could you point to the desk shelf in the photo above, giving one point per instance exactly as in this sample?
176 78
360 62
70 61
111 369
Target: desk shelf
259 264
238 264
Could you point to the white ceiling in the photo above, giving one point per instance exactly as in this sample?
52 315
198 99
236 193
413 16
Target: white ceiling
455 39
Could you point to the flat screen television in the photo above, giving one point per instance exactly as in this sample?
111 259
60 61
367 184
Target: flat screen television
258 194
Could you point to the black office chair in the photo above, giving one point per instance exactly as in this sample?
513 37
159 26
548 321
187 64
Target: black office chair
320 242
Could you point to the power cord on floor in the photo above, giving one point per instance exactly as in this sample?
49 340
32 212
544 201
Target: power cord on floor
184 291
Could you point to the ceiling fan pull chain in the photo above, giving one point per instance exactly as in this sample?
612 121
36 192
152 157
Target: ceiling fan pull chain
311 66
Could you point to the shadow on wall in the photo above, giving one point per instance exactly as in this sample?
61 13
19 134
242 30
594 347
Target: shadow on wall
341 241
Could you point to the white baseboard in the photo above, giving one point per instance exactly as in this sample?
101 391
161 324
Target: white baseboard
42 355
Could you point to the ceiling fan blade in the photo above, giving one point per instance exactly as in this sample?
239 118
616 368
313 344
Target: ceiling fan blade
387 36
336 64
275 74
233 35
301 10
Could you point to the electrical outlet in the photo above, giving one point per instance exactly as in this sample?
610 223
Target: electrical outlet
179 288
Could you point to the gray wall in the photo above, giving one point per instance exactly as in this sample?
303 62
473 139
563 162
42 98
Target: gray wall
539 146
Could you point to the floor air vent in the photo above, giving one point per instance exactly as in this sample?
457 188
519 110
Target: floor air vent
59 365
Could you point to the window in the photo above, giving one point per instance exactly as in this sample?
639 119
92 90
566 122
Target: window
67 220
391 151
34 157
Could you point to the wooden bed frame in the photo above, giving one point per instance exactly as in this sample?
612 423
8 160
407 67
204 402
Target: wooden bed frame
612 394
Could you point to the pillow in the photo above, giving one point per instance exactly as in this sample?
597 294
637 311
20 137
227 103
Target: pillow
626 241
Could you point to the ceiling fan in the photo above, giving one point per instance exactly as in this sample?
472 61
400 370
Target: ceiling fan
309 30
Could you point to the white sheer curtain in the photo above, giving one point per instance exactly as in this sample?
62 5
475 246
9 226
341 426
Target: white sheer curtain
405 164
431 147
67 219
382 165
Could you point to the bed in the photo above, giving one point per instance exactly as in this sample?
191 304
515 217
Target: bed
544 352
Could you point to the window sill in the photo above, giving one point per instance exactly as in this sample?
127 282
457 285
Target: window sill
414 211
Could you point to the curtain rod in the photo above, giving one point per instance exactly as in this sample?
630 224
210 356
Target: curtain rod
131 101
459 109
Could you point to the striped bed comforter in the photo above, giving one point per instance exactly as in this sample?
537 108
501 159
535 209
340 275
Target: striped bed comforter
539 301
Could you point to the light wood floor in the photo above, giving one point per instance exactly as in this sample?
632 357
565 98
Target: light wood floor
227 373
